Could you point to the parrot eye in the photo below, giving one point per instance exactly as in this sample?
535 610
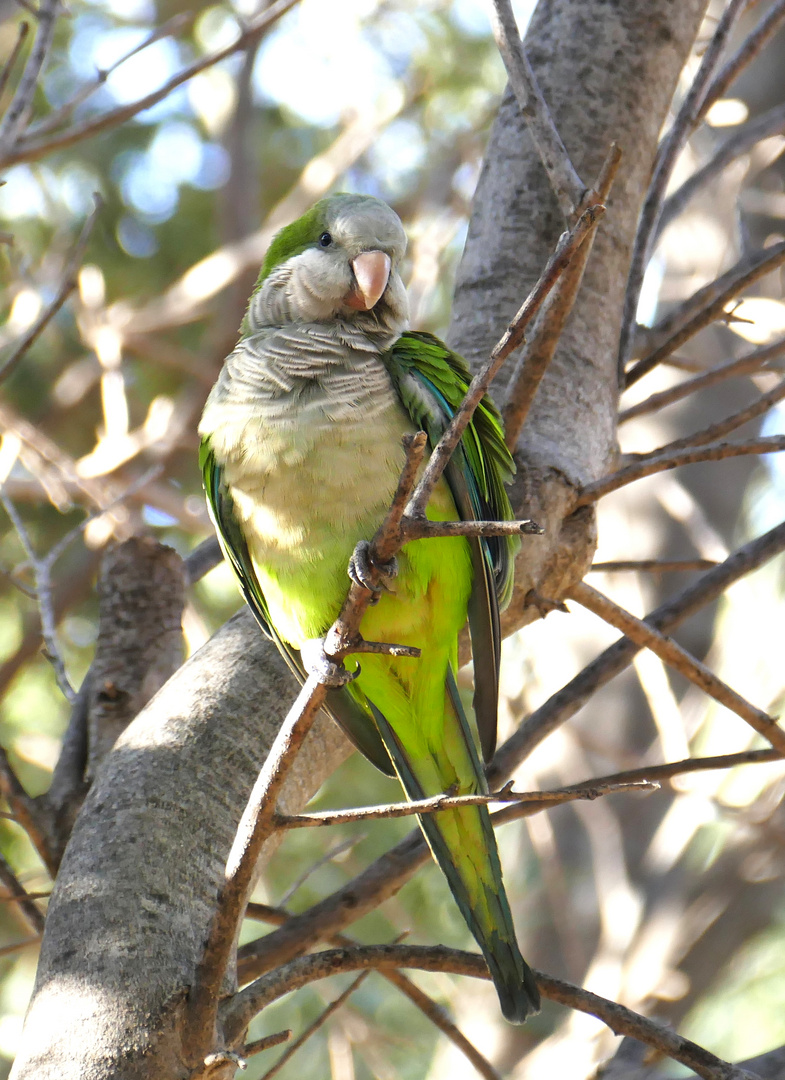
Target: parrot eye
325 240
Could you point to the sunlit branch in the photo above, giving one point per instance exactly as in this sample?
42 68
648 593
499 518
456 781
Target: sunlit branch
745 365
680 660
661 461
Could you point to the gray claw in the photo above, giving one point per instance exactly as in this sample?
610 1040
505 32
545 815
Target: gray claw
361 568
316 662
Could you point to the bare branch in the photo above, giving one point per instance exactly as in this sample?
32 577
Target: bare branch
531 802
567 186
659 462
241 1009
27 812
435 1013
679 659
652 566
745 365
709 304
743 57
33 150
43 592
175 25
539 348
721 427
267 1043
19 109
566 250
66 287
419 529
320 1021
761 127
565 703
19 894
10 64
667 153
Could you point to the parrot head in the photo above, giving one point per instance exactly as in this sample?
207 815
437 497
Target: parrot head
340 260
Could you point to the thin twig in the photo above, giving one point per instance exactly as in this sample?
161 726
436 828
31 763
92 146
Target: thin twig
240 1010
662 461
532 800
10 64
743 57
567 186
312 1028
19 895
566 249
266 1043
19 109
567 701
328 856
43 591
27 811
434 1012
32 149
711 302
651 566
741 143
419 529
679 659
745 365
175 25
66 287
667 153
721 427
540 346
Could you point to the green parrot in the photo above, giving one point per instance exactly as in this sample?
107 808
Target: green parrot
301 454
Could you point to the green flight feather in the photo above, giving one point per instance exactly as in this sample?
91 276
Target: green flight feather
343 708
431 381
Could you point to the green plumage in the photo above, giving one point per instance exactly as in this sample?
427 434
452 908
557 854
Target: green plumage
301 454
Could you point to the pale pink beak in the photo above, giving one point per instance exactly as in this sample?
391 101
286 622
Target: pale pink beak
372 271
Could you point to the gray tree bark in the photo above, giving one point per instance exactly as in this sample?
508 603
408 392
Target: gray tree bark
135 894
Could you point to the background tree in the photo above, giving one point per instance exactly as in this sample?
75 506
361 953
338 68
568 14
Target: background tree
193 125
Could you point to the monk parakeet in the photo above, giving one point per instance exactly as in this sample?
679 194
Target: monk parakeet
301 455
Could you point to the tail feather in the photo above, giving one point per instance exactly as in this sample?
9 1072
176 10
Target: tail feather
492 927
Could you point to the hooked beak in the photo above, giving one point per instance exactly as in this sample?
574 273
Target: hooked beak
372 272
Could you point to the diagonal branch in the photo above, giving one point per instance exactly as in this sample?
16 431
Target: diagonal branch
659 462
745 365
33 914
680 660
567 186
721 427
540 346
709 304
240 1010
762 127
435 1013
34 149
565 703
10 64
566 250
65 288
667 153
17 112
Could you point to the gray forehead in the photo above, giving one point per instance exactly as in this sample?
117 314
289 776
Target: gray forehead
358 220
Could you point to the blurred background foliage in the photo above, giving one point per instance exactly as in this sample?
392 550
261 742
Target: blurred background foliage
672 905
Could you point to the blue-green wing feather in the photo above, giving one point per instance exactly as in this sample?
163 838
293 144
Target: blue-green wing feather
352 717
431 381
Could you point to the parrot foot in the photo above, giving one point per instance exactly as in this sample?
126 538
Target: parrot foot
361 568
316 662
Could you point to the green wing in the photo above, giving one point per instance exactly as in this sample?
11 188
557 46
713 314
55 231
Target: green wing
354 720
431 381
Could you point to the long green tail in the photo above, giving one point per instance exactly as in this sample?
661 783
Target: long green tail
474 874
